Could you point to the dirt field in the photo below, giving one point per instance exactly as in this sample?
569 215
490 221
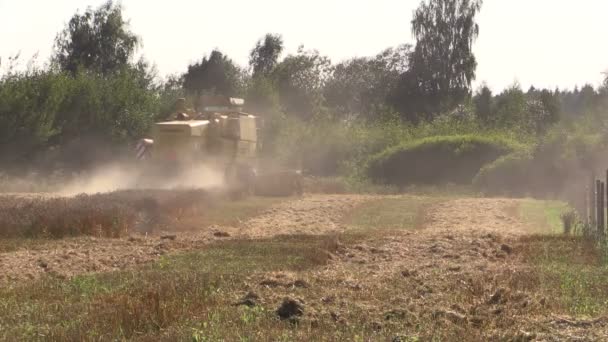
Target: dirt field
69 257
458 271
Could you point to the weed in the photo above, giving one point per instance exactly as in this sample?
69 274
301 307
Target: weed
569 219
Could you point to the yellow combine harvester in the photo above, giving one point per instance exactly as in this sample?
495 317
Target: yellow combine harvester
219 136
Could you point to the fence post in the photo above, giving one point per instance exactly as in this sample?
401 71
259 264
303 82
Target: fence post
602 232
602 215
598 203
592 200
600 208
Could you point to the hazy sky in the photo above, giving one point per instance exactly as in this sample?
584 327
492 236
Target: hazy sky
547 43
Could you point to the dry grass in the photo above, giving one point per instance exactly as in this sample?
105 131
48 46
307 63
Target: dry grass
102 215
192 296
404 212
324 185
178 298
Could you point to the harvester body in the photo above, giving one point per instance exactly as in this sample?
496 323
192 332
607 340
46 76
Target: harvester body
221 136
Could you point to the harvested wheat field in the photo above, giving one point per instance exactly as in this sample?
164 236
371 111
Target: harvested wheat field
319 267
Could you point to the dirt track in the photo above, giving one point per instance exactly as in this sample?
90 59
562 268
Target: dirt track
318 214
64 258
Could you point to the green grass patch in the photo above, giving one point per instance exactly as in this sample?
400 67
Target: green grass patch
572 272
177 297
543 217
406 212
232 213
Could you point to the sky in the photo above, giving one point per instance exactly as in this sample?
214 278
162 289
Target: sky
545 43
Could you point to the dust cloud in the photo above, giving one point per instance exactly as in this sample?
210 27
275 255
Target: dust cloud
115 177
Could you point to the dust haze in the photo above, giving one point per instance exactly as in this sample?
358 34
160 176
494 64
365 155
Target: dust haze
123 176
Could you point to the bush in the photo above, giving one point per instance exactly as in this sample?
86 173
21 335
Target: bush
435 160
558 166
46 108
29 103
508 175
569 220
327 147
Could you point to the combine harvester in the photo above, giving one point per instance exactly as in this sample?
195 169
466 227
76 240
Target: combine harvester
221 137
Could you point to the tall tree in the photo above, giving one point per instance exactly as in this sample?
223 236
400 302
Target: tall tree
214 74
300 80
442 64
360 86
98 40
483 101
265 55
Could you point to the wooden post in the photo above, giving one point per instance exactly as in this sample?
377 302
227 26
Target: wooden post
586 203
598 203
602 232
602 206
592 200
602 215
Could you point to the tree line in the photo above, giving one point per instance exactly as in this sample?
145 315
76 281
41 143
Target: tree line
93 87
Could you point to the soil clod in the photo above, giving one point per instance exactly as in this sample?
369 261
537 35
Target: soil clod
506 248
290 309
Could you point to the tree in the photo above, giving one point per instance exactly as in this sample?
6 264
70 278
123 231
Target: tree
442 63
262 95
300 80
214 74
98 40
360 86
483 101
511 107
551 103
264 57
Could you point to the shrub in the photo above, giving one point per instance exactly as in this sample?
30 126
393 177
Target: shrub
559 165
434 160
328 147
569 220
48 108
508 175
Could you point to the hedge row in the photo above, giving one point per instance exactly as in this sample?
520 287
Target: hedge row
440 159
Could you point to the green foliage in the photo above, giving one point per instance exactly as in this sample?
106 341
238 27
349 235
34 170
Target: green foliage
360 86
442 63
507 175
40 108
97 40
439 159
118 107
262 95
264 57
300 80
214 74
29 103
328 146
558 164
484 104
328 119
